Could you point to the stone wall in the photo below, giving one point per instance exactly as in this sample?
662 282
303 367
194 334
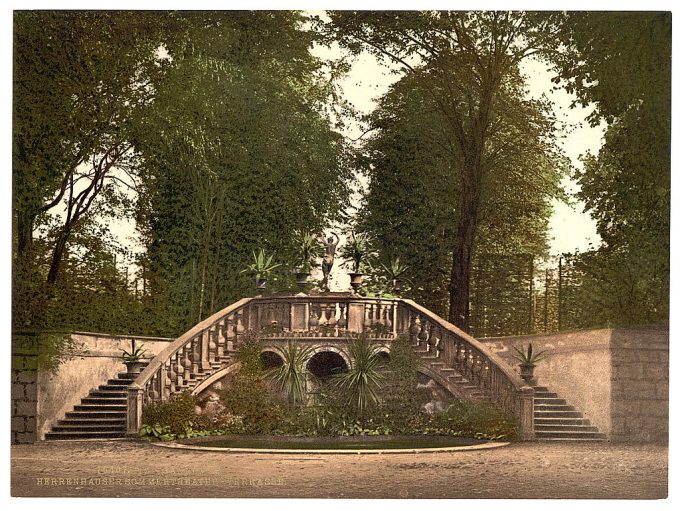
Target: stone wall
618 378
640 385
40 398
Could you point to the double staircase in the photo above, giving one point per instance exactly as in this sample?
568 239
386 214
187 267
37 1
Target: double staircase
554 419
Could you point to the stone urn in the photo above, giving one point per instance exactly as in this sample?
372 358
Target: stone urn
260 284
302 279
526 371
355 280
396 285
134 367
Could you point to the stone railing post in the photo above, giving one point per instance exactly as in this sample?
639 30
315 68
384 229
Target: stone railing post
134 410
525 412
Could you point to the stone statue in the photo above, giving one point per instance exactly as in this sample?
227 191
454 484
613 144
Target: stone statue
329 258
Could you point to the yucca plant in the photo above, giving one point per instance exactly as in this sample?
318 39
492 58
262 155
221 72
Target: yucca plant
262 266
528 358
308 248
363 381
355 250
292 376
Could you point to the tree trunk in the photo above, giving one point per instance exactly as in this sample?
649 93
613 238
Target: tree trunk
57 256
24 233
459 283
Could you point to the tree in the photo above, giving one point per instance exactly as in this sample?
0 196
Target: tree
413 174
463 60
620 62
238 155
79 78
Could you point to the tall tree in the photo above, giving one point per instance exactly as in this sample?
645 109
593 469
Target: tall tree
411 168
246 156
620 62
79 78
463 60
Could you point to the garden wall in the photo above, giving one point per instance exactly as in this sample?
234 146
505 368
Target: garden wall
618 378
40 398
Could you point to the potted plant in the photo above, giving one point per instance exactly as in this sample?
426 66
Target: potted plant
395 270
354 252
262 266
133 359
308 250
527 361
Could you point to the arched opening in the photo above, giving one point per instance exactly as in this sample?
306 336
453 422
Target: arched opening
384 357
326 364
270 360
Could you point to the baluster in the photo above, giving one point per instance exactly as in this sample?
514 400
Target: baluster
342 320
180 368
423 335
368 317
239 329
387 321
187 363
151 389
194 356
323 321
414 330
221 340
331 311
313 318
434 341
228 333
459 351
172 376
212 347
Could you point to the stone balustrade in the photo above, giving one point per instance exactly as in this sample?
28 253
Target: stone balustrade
207 347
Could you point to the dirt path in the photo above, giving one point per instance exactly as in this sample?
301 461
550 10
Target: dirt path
532 470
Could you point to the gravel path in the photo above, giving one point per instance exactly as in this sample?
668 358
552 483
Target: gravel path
532 470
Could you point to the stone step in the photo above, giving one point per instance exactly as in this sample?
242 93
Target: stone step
556 408
574 435
75 435
118 382
565 427
543 395
100 408
560 420
125 376
109 393
119 388
59 428
540 388
96 414
103 400
92 421
547 414
549 401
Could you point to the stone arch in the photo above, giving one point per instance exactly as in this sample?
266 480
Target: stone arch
271 358
327 360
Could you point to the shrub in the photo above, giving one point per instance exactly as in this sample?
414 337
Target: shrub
472 419
174 417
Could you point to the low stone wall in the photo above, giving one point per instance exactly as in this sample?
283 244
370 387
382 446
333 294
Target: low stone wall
40 398
618 378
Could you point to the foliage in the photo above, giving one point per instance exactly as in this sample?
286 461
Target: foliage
355 250
43 351
621 63
292 376
135 354
308 249
472 419
262 266
173 417
364 379
528 357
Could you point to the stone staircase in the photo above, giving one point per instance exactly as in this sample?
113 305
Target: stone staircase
457 381
554 419
102 414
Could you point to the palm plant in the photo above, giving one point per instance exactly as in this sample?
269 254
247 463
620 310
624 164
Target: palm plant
262 266
308 248
292 376
362 382
355 250
528 358
394 268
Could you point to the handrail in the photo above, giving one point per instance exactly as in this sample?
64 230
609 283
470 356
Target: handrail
170 350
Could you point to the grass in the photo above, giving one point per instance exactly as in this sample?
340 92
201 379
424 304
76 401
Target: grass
324 443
